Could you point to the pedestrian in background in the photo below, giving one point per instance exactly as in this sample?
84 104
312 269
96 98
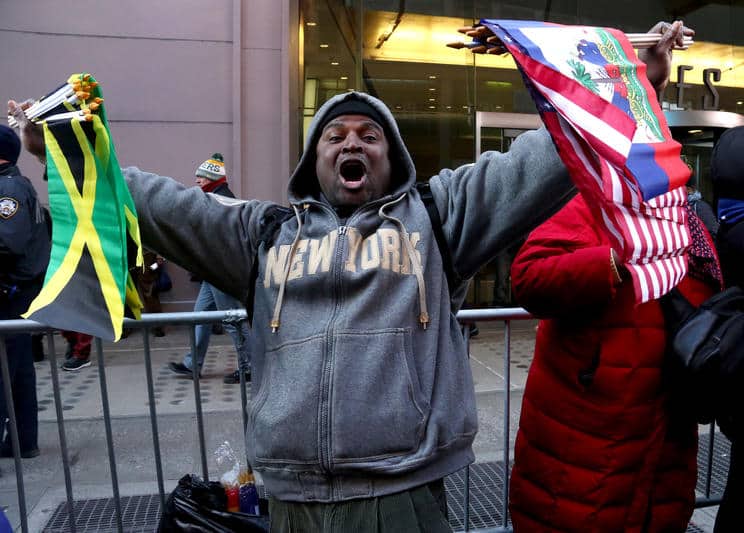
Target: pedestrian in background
146 279
699 206
605 442
24 256
211 177
77 355
727 175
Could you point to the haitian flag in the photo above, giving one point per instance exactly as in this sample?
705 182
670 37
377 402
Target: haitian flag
88 286
593 95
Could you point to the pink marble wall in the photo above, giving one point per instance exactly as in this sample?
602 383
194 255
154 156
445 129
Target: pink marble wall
166 71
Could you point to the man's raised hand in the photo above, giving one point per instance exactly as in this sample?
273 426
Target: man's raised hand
658 58
32 135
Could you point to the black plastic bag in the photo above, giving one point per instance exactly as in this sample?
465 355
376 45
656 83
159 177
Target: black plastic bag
197 506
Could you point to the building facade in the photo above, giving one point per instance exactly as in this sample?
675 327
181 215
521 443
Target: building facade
185 78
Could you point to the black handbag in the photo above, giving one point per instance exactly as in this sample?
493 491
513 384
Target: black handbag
706 352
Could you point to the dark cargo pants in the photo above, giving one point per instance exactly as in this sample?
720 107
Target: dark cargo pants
423 509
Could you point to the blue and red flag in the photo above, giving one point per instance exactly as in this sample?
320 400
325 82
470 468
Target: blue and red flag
594 97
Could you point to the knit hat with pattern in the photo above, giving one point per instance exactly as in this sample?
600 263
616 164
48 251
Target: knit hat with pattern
212 169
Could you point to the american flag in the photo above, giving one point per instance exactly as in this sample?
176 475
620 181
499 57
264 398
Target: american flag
595 100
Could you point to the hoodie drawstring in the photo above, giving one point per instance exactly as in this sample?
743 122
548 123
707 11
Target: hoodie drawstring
290 255
415 262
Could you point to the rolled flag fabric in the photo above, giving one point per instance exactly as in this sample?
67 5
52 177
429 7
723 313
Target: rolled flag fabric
95 235
603 115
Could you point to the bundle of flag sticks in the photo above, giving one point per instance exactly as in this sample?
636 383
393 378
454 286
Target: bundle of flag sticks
485 42
70 101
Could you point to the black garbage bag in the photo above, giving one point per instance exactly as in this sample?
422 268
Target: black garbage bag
196 506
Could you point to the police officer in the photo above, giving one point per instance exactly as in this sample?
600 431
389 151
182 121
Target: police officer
24 255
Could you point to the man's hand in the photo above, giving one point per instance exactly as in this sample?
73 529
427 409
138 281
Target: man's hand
32 135
658 58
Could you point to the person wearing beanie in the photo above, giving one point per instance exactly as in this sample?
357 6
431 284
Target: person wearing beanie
211 178
10 145
698 205
727 176
24 255
362 397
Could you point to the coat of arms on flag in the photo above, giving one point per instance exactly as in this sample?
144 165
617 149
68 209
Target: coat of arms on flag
592 93
87 287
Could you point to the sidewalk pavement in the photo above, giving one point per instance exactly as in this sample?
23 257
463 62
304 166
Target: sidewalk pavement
176 420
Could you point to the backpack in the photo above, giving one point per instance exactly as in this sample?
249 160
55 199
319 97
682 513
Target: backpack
424 189
706 348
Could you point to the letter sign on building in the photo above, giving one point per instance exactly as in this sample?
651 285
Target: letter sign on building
712 92
711 100
681 85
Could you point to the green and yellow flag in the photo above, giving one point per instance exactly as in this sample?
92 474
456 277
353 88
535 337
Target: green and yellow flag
95 234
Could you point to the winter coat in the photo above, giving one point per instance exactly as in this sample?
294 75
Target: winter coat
704 210
24 241
727 175
600 447
223 189
361 381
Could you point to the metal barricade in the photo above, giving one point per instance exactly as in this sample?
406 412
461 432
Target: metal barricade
148 322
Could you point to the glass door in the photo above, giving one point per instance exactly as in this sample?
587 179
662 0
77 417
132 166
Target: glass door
491 287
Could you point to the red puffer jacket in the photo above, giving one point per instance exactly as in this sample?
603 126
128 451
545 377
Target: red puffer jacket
598 448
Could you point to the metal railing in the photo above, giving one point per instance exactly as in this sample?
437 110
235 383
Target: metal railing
148 322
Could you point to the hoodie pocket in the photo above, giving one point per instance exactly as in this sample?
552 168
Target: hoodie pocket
283 419
378 409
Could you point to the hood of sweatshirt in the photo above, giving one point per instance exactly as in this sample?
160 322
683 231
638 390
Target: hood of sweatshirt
303 184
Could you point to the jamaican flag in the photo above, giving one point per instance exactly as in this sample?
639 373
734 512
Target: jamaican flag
87 287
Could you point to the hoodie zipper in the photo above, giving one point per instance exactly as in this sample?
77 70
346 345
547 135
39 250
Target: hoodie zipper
325 399
324 436
324 432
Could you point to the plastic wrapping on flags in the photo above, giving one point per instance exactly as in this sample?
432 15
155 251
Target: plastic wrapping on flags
95 235
603 115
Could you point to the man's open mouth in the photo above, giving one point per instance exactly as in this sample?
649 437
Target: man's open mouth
352 171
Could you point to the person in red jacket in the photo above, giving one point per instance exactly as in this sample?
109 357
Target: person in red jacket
601 445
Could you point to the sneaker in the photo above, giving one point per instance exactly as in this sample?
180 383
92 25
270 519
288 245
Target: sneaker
234 377
74 364
180 368
29 454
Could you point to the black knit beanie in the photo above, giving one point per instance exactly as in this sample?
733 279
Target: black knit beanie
10 144
352 106
727 164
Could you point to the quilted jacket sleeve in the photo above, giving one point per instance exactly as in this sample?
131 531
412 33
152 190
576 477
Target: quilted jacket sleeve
564 266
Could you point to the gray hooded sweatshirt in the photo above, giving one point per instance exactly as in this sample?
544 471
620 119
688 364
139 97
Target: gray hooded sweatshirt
363 388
